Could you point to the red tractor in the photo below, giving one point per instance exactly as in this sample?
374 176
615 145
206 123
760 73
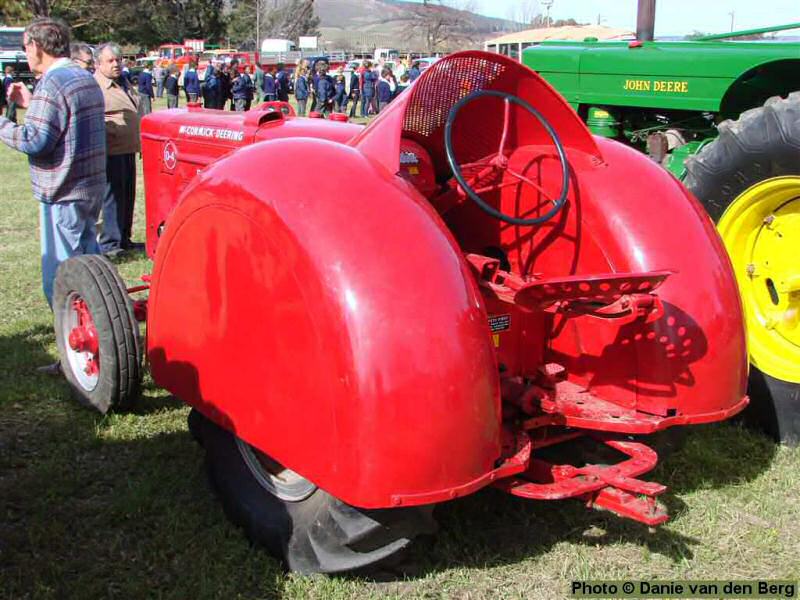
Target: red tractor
479 288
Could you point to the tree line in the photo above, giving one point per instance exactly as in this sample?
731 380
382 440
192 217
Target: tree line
148 23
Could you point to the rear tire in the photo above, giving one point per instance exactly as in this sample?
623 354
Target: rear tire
316 533
111 376
774 407
764 143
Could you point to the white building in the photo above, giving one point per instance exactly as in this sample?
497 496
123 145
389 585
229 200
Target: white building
513 44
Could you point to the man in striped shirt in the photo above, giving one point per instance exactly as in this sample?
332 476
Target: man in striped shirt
64 138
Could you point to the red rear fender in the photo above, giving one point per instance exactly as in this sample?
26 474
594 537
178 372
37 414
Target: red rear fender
631 215
326 316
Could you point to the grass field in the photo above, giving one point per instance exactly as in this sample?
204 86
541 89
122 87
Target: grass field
119 507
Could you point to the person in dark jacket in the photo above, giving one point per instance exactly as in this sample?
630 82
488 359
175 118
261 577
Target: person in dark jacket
313 76
384 90
224 86
234 75
325 91
405 82
269 86
355 92
250 88
146 93
240 90
316 68
126 72
191 83
282 84
301 91
171 87
11 106
211 88
414 72
370 83
340 94
2 93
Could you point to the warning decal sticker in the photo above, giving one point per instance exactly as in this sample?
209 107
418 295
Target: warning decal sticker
499 323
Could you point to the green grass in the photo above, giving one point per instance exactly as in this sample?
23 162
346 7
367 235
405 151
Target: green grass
119 507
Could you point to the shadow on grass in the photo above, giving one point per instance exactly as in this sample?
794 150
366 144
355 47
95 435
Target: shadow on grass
108 507
128 256
119 506
116 508
129 491
22 353
716 455
492 529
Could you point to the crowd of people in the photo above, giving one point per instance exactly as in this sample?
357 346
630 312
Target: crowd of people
316 89
371 86
228 83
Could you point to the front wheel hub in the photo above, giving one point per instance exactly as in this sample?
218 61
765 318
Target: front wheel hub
83 347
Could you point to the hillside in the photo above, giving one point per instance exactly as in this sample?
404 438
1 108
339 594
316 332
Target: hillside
392 23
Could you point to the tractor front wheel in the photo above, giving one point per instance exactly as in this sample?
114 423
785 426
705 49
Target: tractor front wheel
302 525
96 333
749 182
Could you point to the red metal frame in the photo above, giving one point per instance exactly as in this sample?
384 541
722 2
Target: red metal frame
614 487
140 305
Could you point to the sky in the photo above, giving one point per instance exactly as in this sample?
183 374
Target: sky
673 17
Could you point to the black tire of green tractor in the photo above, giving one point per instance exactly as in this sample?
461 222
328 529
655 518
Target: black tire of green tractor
763 143
774 407
96 280
319 534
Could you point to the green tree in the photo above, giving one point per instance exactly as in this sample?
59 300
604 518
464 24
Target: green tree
14 12
145 23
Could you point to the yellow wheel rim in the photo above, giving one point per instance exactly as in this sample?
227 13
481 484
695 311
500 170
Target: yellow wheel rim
761 230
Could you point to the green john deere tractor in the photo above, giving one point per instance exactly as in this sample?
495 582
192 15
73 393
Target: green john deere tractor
723 117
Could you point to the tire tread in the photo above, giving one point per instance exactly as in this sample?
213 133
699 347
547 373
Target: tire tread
320 534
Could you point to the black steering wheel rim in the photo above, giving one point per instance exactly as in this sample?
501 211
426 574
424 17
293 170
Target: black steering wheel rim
458 174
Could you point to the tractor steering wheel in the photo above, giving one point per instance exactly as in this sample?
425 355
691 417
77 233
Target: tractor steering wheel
499 161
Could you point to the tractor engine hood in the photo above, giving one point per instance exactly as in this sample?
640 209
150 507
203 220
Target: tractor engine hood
178 144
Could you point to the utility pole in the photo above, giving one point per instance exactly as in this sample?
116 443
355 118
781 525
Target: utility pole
733 16
548 4
258 26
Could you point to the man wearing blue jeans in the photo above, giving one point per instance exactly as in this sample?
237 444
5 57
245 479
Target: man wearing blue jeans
64 138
